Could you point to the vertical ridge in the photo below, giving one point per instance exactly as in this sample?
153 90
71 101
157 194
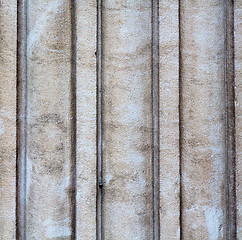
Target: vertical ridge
169 119
155 115
202 148
73 118
86 101
99 120
230 120
21 119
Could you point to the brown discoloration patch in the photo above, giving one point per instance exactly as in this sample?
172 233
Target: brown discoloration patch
49 149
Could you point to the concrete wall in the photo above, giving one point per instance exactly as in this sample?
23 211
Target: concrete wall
120 119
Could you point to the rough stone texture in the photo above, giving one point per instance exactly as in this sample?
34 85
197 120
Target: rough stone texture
86 119
169 120
49 120
127 120
238 110
203 120
8 36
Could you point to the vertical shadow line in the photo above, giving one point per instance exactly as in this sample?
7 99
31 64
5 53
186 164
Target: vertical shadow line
155 117
21 123
226 119
231 232
180 114
73 117
99 121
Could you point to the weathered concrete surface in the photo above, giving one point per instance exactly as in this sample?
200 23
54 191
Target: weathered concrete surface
203 120
86 119
8 38
169 120
127 120
238 110
49 120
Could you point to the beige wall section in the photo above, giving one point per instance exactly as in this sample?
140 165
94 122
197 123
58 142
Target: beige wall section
127 210
49 120
169 120
8 37
127 120
203 120
238 110
86 119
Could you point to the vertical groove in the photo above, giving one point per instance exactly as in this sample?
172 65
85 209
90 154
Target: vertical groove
230 120
73 118
226 118
99 120
180 114
155 115
21 119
